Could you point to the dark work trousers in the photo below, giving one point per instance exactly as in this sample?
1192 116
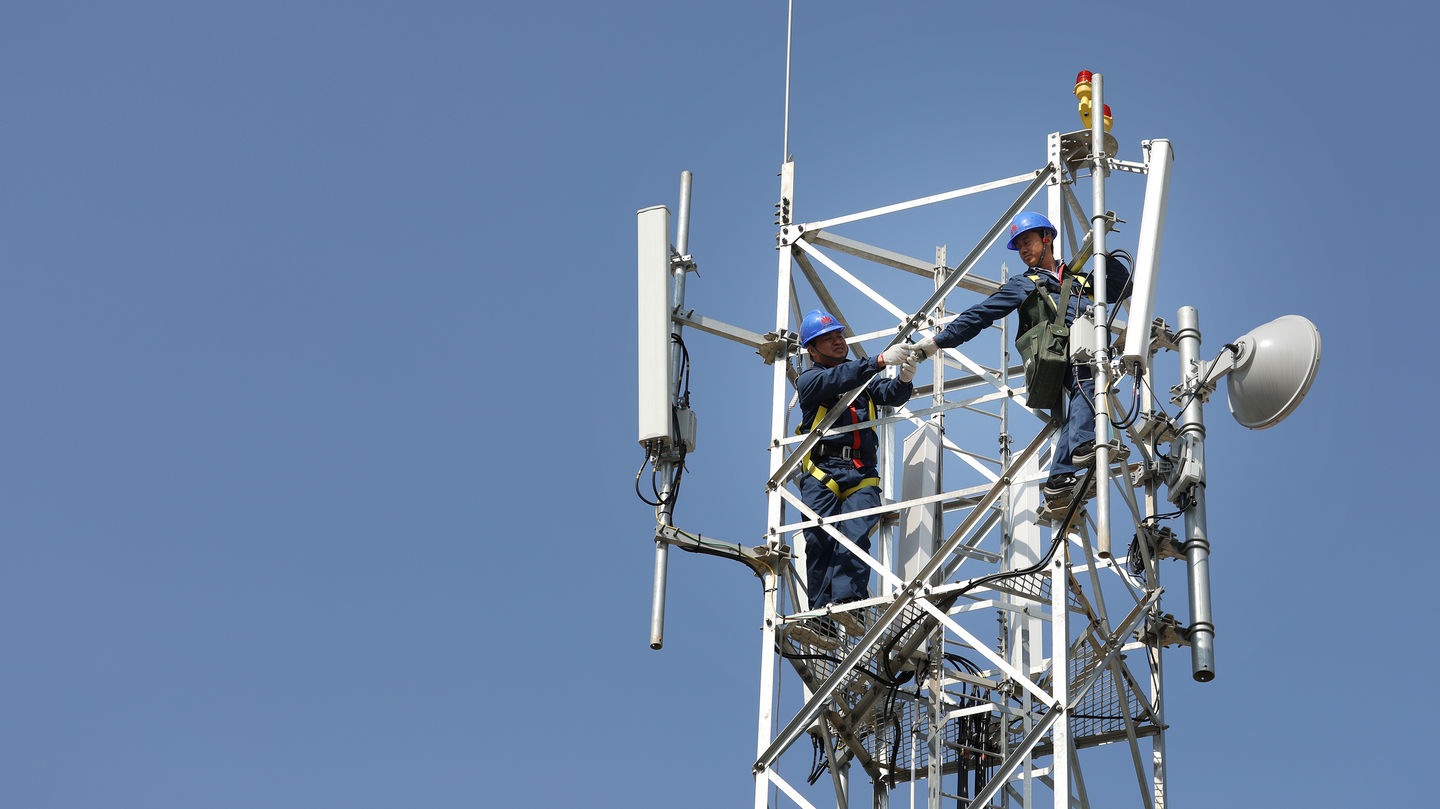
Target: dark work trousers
1079 425
832 573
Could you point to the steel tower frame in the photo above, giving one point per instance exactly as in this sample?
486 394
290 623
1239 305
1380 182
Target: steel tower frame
956 717
900 693
911 692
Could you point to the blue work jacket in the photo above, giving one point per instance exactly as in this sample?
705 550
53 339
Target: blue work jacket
1014 292
822 387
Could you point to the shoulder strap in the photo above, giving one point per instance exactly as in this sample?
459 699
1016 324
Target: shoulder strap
1065 297
1043 291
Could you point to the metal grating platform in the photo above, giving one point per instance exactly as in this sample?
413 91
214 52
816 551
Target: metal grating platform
878 716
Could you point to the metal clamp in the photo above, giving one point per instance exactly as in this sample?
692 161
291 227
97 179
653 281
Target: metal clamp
1110 220
778 345
687 262
1163 630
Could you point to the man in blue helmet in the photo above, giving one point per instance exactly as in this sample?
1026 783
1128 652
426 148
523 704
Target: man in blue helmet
839 474
1033 237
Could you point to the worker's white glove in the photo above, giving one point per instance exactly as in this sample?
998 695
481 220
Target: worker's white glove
894 355
925 348
907 368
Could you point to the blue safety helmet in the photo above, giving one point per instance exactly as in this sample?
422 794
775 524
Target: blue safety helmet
1026 221
817 322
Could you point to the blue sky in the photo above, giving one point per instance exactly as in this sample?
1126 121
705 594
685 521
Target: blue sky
318 337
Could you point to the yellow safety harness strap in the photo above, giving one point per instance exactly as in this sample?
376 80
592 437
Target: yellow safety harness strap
823 476
830 483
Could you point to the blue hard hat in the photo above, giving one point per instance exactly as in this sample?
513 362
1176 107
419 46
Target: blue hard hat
817 322
1026 221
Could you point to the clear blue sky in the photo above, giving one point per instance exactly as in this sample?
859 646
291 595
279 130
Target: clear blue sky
318 349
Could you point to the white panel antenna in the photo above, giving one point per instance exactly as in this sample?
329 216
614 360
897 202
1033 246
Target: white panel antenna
653 303
1147 256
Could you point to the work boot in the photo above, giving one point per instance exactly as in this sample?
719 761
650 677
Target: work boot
1084 455
820 633
1059 490
1059 487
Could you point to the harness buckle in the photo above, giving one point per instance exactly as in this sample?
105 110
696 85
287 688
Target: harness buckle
844 453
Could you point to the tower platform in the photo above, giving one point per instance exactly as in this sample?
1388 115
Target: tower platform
880 715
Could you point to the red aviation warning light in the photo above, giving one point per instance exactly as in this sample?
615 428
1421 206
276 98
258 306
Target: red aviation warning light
1082 92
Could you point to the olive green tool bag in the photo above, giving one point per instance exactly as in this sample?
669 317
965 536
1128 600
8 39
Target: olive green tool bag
1046 349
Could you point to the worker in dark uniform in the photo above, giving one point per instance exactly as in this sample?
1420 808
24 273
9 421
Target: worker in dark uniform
1033 237
839 474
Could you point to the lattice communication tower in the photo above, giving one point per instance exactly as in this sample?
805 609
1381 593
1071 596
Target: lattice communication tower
1005 641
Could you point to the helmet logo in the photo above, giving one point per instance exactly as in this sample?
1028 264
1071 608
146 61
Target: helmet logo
1012 230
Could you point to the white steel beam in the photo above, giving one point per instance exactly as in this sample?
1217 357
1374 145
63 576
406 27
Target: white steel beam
817 285
889 258
880 300
917 203
812 519
774 505
1059 668
785 787
719 328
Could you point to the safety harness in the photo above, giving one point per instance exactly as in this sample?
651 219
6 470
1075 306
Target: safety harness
1034 309
1044 339
850 453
